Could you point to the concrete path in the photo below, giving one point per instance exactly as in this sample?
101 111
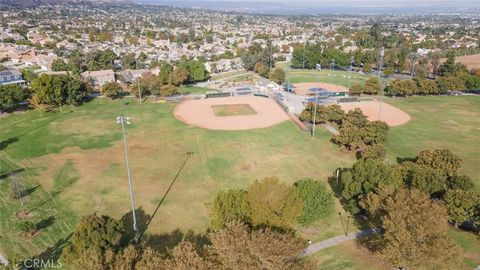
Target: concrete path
331 129
314 248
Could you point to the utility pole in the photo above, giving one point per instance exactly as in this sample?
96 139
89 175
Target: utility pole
126 120
382 54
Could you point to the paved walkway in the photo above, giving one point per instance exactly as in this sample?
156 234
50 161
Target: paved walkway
314 248
331 129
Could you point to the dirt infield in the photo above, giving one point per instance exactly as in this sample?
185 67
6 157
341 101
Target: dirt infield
393 116
199 113
302 88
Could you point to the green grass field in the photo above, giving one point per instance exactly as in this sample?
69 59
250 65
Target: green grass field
439 123
73 162
76 156
337 77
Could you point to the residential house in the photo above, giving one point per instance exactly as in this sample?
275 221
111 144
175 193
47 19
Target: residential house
99 78
11 76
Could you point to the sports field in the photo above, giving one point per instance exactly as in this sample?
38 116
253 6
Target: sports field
72 162
76 157
336 77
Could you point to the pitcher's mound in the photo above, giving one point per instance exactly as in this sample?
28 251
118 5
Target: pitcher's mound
256 112
391 115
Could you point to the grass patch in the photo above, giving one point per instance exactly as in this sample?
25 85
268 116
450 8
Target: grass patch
439 123
233 110
81 153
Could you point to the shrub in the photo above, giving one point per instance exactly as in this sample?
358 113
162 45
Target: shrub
317 200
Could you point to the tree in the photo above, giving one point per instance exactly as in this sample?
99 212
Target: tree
196 70
414 229
129 61
178 76
352 132
402 87
375 151
375 132
261 69
165 70
185 257
462 205
332 113
356 118
424 178
239 247
427 87
273 203
167 90
317 200
229 206
462 182
363 177
446 84
53 91
111 89
277 75
449 67
372 86
59 65
94 233
356 90
442 160
10 97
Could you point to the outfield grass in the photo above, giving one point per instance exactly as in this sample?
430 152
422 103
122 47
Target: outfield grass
79 152
233 109
190 89
439 123
337 77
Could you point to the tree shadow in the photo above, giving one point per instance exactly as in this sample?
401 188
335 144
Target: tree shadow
5 143
22 193
6 174
54 252
165 241
45 223
188 155
127 220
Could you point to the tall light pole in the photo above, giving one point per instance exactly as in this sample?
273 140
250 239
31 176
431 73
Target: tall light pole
413 66
126 120
138 82
303 58
314 124
382 54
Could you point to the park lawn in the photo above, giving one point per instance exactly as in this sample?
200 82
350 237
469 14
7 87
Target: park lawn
443 122
348 256
76 156
469 244
233 110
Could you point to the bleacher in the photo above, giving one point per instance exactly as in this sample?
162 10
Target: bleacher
242 91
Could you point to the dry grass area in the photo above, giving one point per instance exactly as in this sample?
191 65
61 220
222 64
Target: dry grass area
471 61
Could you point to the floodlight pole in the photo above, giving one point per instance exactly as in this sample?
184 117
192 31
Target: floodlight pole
413 67
138 82
382 54
303 58
125 120
314 125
